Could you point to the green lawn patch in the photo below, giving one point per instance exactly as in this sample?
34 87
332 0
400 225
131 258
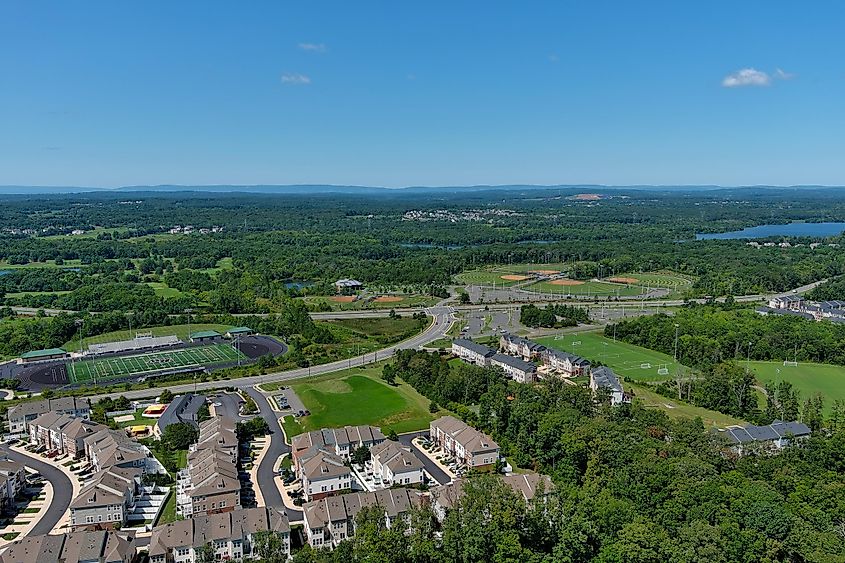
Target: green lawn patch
807 378
181 459
168 512
679 409
633 362
10 536
359 396
164 290
31 510
588 288
291 427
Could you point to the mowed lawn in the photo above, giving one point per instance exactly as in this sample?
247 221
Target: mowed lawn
807 378
359 396
633 362
677 409
588 287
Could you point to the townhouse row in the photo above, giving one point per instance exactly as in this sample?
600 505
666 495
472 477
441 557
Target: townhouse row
209 484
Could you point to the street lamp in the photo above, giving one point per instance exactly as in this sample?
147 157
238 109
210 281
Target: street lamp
676 341
189 311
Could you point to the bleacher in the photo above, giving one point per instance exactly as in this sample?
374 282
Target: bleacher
133 345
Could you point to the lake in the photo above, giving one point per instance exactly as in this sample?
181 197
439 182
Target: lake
787 230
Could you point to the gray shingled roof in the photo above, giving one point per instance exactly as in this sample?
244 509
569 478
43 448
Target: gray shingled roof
474 346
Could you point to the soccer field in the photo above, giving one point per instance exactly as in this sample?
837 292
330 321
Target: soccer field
634 362
807 378
111 368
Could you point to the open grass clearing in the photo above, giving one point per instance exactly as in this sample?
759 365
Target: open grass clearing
589 287
359 396
163 290
633 362
678 409
807 378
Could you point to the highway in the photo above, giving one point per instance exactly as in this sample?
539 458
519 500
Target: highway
62 489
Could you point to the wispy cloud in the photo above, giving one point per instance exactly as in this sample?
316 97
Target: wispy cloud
754 77
746 77
296 79
312 47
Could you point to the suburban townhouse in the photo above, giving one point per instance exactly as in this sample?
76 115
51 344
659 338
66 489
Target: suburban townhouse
341 441
565 364
183 409
767 438
19 416
74 434
527 486
521 347
395 464
209 484
112 448
322 473
603 378
516 368
467 445
472 352
331 520
12 482
74 547
231 535
46 431
107 500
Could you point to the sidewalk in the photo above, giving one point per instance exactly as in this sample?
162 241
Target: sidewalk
75 482
25 522
264 443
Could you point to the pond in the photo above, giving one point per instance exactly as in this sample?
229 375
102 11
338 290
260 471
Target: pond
786 230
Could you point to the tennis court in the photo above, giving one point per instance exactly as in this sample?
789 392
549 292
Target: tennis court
111 368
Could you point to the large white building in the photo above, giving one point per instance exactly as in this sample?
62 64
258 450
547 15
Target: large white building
516 368
603 378
472 352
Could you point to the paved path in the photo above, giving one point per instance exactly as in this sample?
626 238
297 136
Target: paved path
62 489
436 473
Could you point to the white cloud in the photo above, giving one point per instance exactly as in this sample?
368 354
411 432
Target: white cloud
312 47
747 77
296 79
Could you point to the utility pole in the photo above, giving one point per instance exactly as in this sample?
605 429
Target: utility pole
189 311
676 341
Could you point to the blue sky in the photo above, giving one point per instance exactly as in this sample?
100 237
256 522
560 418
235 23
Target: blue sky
438 93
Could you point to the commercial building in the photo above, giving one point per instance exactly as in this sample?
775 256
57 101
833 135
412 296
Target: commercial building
74 547
768 438
347 286
331 520
231 536
21 415
46 355
469 447
238 331
204 336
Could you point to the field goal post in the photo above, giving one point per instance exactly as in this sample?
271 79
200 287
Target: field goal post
645 365
663 369
576 342
790 363
148 334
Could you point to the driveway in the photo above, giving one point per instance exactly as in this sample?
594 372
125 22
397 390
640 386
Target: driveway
277 447
62 489
229 406
431 468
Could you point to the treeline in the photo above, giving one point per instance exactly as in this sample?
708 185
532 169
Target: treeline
632 484
552 316
833 290
710 334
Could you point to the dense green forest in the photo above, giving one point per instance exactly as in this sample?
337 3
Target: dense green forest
833 290
631 484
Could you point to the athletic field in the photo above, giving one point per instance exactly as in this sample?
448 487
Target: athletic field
112 368
807 378
634 362
588 287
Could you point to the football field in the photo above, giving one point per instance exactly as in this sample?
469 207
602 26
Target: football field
116 367
807 378
634 362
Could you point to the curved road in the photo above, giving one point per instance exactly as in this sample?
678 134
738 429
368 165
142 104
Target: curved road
62 489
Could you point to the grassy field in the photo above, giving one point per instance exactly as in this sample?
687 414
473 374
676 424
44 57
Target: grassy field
588 287
625 359
659 279
222 264
30 293
807 378
676 409
180 331
163 290
48 264
359 396
110 368
381 326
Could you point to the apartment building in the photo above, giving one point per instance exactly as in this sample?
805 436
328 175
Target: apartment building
107 500
516 368
467 445
472 352
341 441
19 416
210 484
75 547
521 347
565 364
231 535
322 473
331 520
604 378
395 464
526 486
12 482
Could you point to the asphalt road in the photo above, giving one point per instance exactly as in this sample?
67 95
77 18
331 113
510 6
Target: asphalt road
441 321
62 489
276 447
438 474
